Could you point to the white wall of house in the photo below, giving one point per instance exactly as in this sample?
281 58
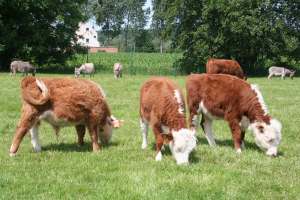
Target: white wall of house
87 34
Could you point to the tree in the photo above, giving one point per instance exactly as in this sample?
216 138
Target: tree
252 32
109 16
41 31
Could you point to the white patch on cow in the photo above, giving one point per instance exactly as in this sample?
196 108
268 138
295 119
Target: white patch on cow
165 129
260 98
183 143
179 101
239 151
50 117
102 91
204 110
208 131
144 129
244 123
195 120
158 156
35 139
42 86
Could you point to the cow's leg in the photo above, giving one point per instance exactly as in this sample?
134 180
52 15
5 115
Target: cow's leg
80 129
242 139
194 118
144 129
27 120
270 76
236 135
159 141
34 132
206 125
93 131
283 76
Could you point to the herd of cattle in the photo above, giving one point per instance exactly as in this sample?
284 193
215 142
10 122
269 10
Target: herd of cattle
221 93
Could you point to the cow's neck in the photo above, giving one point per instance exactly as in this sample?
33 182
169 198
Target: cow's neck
255 112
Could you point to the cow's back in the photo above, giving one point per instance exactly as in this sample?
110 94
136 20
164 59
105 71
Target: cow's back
223 66
156 94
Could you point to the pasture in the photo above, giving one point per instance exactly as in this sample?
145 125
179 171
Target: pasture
123 171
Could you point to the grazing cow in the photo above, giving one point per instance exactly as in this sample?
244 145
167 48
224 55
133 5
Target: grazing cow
222 66
162 106
118 70
21 66
86 68
218 96
281 71
64 102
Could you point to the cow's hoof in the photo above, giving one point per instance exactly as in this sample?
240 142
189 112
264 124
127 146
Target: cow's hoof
158 156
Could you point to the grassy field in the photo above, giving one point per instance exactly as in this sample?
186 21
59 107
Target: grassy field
123 171
133 63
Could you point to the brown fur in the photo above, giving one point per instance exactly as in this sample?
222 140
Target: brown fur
159 107
222 66
225 97
75 101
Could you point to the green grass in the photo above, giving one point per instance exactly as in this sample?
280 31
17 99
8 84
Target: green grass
123 171
133 63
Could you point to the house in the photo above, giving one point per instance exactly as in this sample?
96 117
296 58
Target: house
88 37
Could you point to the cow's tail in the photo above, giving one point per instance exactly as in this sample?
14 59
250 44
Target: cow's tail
34 91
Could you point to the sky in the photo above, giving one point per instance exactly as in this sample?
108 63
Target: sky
147 5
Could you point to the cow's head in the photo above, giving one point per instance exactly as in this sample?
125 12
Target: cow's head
76 72
267 136
106 132
292 74
183 143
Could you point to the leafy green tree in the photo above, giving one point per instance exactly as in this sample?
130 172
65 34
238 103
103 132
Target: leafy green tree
251 32
41 31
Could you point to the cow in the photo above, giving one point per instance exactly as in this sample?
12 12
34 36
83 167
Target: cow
162 106
86 68
118 70
64 102
21 66
218 96
222 66
281 71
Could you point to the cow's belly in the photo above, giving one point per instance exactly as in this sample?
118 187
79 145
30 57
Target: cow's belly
278 74
50 117
202 109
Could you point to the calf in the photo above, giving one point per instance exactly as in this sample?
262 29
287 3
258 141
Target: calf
64 102
86 68
222 66
162 106
118 70
281 71
217 96
21 66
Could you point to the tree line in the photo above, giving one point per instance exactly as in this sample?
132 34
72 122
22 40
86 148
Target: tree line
256 33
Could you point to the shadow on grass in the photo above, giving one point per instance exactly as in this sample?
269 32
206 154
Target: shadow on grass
166 151
228 143
74 147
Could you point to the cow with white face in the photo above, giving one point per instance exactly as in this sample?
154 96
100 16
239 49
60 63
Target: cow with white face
218 96
64 102
162 107
86 68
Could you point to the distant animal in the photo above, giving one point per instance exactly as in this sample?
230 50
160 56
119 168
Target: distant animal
281 71
162 106
86 68
21 66
64 102
222 66
118 70
218 96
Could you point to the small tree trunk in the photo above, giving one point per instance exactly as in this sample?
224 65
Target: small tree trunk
161 46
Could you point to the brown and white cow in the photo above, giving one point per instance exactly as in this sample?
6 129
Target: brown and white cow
222 66
64 102
162 107
218 96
